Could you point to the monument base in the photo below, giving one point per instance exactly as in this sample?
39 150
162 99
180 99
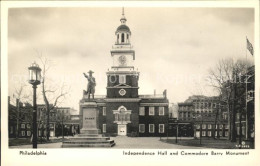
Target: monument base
84 140
90 136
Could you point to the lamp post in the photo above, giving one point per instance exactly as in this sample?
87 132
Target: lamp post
34 79
177 127
200 125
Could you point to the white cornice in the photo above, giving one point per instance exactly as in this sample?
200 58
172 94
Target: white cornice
123 87
122 100
123 72
154 104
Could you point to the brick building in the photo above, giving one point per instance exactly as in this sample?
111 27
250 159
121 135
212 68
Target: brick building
20 120
204 115
123 111
244 105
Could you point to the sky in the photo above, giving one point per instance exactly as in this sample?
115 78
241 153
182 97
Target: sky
174 47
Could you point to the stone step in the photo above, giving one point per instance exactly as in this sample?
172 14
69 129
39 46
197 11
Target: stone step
89 142
90 138
86 145
89 135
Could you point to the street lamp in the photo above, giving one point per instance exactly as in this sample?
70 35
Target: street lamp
200 125
34 79
177 127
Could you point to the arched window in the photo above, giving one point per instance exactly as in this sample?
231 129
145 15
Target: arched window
123 38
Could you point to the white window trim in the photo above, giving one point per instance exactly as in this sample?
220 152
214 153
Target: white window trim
151 109
23 133
162 110
150 128
140 128
122 79
23 126
160 128
203 133
29 133
141 109
226 133
209 133
104 111
209 126
104 128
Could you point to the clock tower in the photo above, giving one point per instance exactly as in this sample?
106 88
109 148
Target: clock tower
122 78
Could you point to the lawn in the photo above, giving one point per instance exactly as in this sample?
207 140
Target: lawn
27 141
209 143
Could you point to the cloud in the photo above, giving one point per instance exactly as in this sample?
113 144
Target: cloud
174 47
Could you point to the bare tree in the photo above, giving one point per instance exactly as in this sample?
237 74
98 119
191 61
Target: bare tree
20 95
223 78
53 95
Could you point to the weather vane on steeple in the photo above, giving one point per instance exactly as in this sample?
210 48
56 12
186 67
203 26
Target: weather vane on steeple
123 13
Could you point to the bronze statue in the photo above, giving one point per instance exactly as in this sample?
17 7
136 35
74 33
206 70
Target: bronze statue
91 84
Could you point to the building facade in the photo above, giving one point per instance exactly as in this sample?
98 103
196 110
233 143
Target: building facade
20 120
123 111
245 105
205 116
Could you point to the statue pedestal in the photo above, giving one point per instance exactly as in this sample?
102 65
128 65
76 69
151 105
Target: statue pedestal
89 133
89 119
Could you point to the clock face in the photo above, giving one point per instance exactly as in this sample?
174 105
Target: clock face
122 60
122 92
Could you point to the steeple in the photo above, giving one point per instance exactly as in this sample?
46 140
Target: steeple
123 32
123 19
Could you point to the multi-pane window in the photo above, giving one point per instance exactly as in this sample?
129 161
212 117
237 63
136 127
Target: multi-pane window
226 133
122 79
22 126
161 128
28 126
220 134
238 131
151 128
104 111
204 126
141 111
209 126
203 133
127 117
23 133
116 117
28 133
209 133
151 110
11 130
226 126
198 126
220 126
141 128
104 128
161 110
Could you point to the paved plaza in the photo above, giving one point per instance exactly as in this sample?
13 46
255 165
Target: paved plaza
123 142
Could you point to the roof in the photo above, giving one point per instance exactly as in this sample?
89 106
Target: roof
123 28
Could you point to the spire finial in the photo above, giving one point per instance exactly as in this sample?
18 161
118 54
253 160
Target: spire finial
123 19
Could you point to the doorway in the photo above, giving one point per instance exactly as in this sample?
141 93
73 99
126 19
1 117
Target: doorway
122 130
